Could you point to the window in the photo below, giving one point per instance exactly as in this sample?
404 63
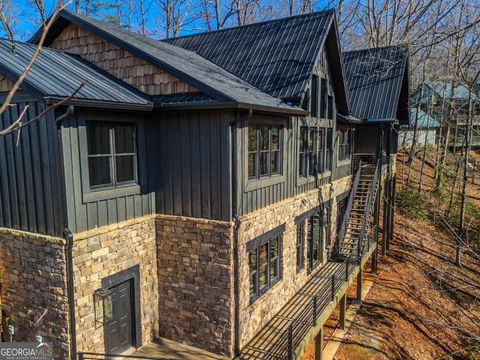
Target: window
341 207
112 154
321 150
264 267
300 245
314 99
264 151
314 240
328 150
323 99
344 145
330 107
311 156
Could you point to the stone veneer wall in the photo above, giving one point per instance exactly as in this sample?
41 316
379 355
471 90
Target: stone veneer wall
195 282
104 252
32 281
254 316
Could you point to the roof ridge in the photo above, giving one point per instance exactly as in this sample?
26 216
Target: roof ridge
399 46
152 42
315 13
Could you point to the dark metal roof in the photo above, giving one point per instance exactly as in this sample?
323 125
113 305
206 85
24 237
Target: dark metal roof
183 98
377 80
57 74
209 78
276 56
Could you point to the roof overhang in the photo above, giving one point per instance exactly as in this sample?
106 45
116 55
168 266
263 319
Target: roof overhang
50 100
348 119
294 111
379 121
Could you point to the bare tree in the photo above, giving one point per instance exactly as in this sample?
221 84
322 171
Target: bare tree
46 24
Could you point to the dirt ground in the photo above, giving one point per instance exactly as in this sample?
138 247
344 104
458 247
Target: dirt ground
421 306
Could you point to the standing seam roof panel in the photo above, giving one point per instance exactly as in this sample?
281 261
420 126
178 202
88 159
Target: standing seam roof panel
264 54
59 74
374 78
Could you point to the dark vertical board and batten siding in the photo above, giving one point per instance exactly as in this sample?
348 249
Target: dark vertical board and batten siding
187 170
89 215
191 155
249 198
29 173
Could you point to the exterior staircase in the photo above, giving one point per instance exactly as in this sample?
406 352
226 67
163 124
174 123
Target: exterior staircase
357 218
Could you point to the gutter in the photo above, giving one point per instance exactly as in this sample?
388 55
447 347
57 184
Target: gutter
148 106
231 105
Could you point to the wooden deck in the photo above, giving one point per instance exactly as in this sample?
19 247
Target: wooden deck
299 321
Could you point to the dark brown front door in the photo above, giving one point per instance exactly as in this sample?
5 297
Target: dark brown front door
119 327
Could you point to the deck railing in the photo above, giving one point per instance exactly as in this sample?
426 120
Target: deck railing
368 210
283 348
100 356
346 216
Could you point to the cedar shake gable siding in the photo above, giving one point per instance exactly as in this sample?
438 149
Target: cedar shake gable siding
118 62
5 84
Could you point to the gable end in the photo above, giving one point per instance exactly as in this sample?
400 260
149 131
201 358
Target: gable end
118 62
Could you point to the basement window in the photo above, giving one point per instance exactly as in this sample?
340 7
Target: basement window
314 240
112 155
264 267
300 245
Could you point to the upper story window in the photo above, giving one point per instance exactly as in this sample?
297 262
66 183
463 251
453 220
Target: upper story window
344 140
330 107
264 267
328 149
323 99
264 151
314 98
112 154
313 151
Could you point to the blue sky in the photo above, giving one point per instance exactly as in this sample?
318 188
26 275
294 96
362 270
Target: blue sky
24 16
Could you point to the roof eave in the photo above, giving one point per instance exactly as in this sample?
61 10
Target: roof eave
98 104
232 105
67 16
348 119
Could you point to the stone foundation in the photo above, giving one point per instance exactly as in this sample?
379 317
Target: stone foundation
185 268
195 282
101 253
256 315
33 289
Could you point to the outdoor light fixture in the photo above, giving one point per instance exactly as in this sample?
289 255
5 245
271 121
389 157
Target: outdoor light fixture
103 305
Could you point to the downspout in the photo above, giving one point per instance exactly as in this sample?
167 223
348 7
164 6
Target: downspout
69 240
70 291
236 228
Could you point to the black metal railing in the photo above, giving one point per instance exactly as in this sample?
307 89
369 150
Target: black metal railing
101 356
283 348
370 204
346 216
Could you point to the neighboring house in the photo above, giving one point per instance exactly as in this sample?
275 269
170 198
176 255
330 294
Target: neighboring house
450 107
426 133
191 189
